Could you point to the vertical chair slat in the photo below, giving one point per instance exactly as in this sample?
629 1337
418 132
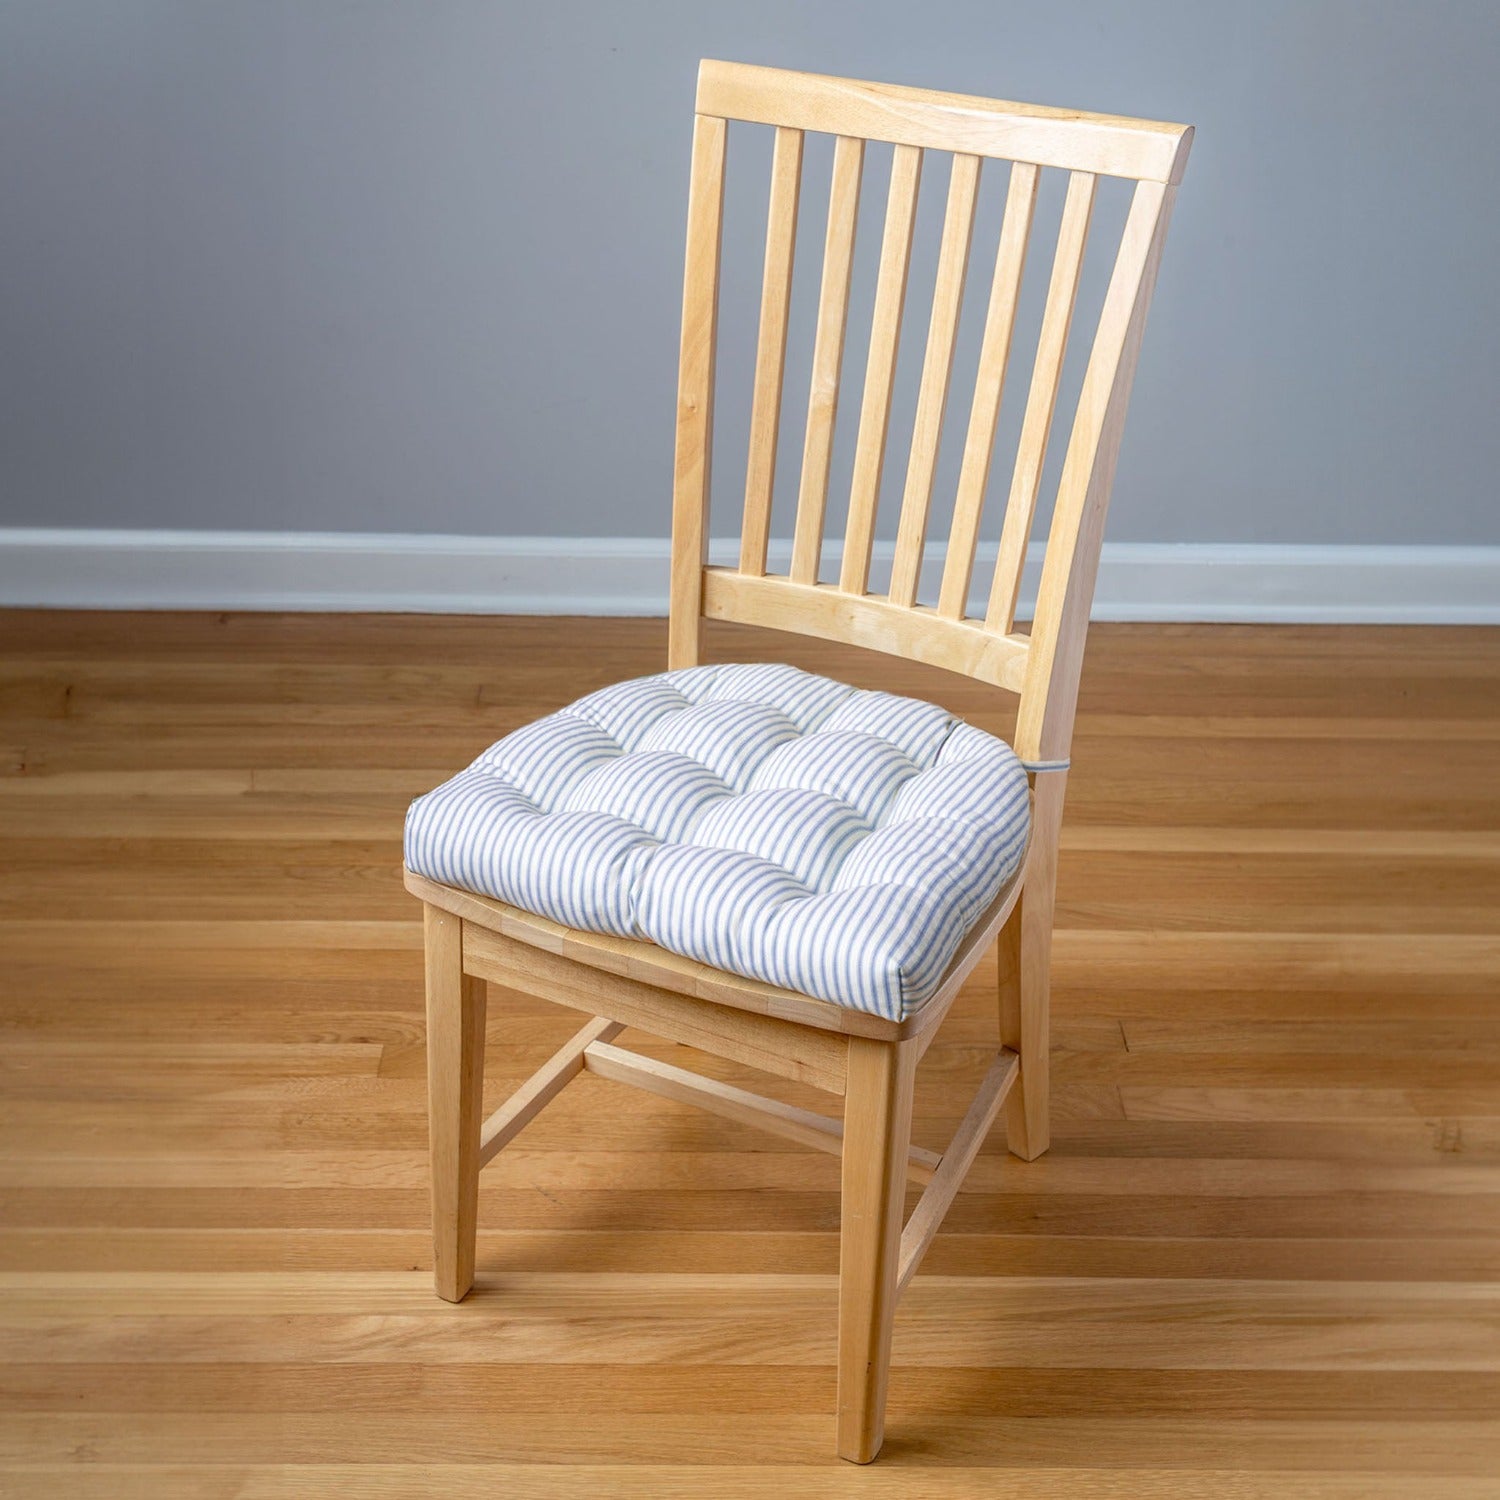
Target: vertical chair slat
880 367
828 357
695 388
770 354
989 388
937 369
1041 401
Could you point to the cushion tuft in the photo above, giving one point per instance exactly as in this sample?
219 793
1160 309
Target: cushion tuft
772 823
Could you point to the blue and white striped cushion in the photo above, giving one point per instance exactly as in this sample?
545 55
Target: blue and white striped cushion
769 822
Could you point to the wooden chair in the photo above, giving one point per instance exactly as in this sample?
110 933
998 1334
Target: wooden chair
472 941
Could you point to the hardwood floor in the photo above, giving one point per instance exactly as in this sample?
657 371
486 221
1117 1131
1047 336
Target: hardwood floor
1260 1259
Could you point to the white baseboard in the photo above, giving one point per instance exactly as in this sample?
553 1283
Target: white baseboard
244 570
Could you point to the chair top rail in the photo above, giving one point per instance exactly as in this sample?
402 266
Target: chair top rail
1110 145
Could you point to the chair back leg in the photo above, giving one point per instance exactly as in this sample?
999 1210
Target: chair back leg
877 1137
1025 957
455 1091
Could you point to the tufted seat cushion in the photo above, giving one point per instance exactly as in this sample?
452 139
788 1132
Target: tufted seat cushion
772 823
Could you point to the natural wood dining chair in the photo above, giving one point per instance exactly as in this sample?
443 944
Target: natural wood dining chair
473 940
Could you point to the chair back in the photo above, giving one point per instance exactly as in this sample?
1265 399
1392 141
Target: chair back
1042 666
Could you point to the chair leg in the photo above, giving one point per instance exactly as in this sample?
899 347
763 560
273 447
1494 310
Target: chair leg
877 1136
455 1088
1025 948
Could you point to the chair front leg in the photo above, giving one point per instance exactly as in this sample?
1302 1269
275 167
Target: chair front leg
877 1136
455 1089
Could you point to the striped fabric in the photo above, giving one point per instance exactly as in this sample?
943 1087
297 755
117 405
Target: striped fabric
769 822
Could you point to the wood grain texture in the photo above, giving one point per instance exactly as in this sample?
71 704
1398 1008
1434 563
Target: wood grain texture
1041 664
786 1048
1070 564
1023 955
1258 1260
877 1135
989 388
958 1156
880 369
1041 400
540 1089
455 1090
693 453
770 348
828 356
928 118
818 609
806 1127
937 370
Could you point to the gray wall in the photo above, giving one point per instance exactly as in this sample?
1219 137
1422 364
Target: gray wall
332 265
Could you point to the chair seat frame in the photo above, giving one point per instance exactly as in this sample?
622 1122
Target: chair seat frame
472 942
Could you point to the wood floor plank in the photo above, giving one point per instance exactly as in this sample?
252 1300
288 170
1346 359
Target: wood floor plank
679 1481
1184 1443
761 1390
